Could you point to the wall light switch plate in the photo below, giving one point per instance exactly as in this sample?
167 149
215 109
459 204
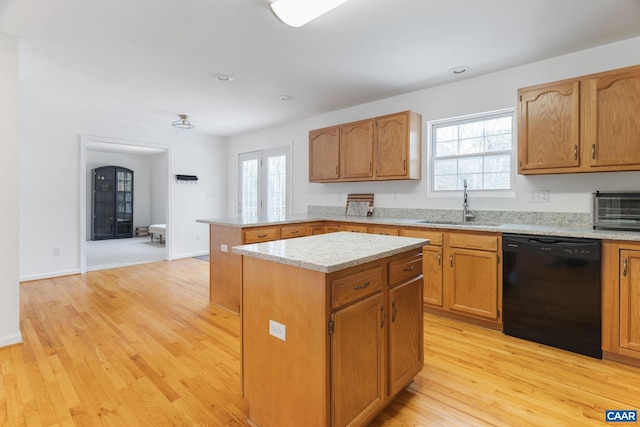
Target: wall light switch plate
539 196
277 330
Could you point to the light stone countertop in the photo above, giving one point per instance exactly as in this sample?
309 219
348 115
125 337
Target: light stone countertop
578 231
330 252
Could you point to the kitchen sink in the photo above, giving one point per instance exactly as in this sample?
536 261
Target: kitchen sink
477 223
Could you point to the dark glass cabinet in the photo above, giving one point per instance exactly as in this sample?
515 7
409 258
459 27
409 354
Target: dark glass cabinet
112 207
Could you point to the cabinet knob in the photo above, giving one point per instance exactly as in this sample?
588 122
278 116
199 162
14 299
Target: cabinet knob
409 268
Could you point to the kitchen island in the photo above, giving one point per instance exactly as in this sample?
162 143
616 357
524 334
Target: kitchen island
332 326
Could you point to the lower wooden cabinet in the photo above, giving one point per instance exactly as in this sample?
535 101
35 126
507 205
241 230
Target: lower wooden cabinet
354 339
406 342
621 301
357 361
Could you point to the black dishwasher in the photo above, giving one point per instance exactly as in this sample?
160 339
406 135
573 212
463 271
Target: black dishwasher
551 291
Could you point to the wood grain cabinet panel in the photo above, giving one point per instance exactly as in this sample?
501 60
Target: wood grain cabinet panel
549 126
613 119
356 145
297 230
431 264
473 282
586 124
256 235
381 148
630 300
324 154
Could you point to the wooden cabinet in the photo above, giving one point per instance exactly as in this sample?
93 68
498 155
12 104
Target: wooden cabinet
356 145
462 274
398 145
324 154
355 228
295 230
381 229
381 148
612 120
621 301
549 126
431 264
354 339
261 234
586 124
472 276
406 343
358 362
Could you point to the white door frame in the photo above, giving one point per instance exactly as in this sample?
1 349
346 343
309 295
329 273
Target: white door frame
86 140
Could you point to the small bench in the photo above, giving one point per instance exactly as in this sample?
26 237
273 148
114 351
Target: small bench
157 230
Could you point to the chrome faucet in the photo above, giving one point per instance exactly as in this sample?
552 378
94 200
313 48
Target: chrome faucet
467 215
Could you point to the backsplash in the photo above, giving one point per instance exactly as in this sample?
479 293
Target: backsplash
560 219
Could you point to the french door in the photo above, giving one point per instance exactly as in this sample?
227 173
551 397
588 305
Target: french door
264 183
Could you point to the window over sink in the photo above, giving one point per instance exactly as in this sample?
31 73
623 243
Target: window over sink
479 148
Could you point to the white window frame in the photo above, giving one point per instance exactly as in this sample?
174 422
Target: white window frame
470 118
262 156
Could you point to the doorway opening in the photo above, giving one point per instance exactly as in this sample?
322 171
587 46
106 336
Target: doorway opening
150 162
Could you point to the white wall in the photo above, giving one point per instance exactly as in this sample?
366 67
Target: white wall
142 183
9 287
568 193
158 196
50 165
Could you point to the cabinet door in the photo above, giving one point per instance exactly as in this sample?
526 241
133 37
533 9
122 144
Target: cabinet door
473 282
406 352
392 145
356 144
324 154
613 119
432 270
357 361
630 300
103 203
549 127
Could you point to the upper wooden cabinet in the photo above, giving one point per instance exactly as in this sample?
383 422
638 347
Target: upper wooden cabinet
382 148
324 154
586 124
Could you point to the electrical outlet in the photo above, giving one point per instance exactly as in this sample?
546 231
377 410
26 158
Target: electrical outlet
539 196
277 330
223 248
56 251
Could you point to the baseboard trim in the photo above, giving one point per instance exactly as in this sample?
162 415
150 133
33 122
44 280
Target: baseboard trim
11 340
48 275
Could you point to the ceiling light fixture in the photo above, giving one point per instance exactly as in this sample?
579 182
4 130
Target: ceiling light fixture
285 97
459 69
296 13
183 123
223 77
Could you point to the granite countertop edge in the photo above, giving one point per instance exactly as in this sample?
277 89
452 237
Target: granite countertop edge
542 230
310 252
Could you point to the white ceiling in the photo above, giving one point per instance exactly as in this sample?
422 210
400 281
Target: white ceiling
149 60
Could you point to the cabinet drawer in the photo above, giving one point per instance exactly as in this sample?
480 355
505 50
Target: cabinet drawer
435 237
387 231
405 269
293 231
355 228
473 241
356 286
261 235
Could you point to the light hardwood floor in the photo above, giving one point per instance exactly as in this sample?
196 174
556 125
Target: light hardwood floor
141 345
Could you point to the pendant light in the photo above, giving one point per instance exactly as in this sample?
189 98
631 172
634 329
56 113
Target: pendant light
183 123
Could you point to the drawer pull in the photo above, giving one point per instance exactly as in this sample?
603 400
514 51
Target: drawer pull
262 236
451 260
409 268
624 265
593 151
575 152
358 287
394 311
439 259
294 232
382 316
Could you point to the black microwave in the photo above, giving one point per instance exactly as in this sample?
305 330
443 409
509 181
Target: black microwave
615 210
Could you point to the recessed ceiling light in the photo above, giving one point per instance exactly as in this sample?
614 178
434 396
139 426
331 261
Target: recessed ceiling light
285 97
223 77
459 69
